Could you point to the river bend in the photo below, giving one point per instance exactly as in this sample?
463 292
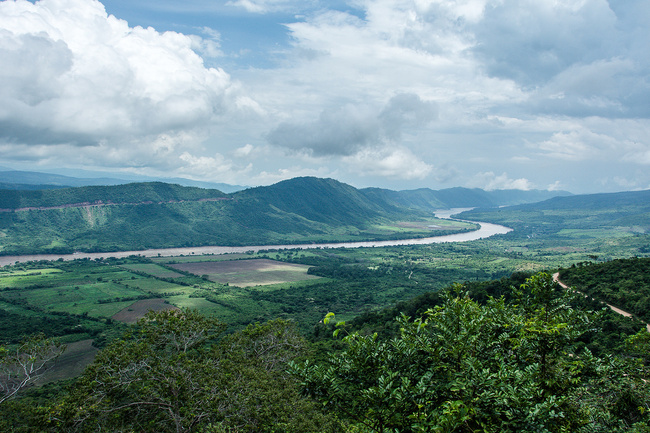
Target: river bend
486 230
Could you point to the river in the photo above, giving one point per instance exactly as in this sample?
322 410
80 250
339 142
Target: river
486 230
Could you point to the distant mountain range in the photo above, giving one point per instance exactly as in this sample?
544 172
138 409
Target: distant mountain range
158 215
33 180
579 216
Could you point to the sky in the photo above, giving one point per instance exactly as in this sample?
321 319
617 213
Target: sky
398 94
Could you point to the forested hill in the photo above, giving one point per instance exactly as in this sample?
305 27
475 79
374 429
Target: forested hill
623 283
159 215
578 215
322 200
134 193
428 199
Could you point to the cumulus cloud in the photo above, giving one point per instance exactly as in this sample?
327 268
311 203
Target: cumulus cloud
397 163
346 130
517 85
490 181
244 151
76 76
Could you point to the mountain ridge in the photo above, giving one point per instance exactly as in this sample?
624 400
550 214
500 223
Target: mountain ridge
299 210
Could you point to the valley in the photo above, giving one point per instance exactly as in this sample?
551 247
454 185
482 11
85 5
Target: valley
87 300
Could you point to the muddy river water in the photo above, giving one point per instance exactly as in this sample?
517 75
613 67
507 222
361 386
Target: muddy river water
486 230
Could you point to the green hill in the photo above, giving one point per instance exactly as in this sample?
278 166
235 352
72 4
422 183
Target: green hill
158 215
623 283
430 200
139 216
579 215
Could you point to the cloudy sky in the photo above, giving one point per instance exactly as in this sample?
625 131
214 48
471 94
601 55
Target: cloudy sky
402 94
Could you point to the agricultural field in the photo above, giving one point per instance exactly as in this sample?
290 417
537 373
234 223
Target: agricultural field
88 300
247 273
138 309
152 269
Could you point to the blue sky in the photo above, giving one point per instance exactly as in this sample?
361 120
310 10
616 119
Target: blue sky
399 94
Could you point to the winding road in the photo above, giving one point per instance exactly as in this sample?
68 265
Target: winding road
556 278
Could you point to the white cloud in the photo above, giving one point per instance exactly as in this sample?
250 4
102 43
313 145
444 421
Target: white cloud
79 77
265 6
398 163
243 151
490 181
215 167
547 91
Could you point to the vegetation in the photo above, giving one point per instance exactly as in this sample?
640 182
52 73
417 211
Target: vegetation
22 365
158 215
567 219
506 364
623 283
451 337
495 367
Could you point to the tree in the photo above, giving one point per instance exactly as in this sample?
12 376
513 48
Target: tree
174 372
464 367
22 365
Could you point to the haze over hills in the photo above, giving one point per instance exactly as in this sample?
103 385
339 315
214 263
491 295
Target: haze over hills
31 180
458 197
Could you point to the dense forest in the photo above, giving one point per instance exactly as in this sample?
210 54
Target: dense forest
603 281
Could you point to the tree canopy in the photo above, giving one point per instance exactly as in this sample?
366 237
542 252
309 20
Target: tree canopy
494 367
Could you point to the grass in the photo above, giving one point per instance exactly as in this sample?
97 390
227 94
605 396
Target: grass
153 270
155 286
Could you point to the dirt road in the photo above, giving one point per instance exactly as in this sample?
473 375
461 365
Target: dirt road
556 278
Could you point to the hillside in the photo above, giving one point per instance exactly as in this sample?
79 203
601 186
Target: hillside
134 193
158 215
623 283
579 215
323 200
430 200
139 216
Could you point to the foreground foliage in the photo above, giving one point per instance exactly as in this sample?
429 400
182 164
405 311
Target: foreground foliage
498 367
175 373
469 362
21 365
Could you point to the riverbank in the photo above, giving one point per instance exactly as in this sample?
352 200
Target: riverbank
485 230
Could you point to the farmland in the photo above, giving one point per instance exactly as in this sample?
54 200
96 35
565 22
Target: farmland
246 273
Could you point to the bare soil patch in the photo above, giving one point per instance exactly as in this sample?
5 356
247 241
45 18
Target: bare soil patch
246 273
138 309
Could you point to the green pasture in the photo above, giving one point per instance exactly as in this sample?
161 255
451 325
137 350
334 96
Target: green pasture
157 287
96 300
153 270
